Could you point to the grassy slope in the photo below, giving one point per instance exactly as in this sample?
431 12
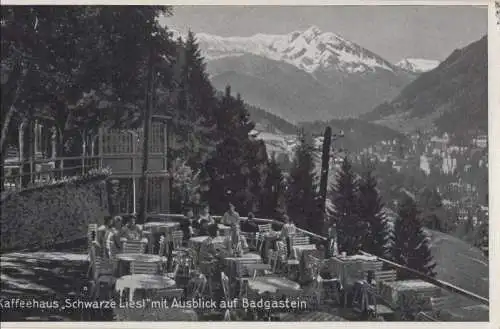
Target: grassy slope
460 263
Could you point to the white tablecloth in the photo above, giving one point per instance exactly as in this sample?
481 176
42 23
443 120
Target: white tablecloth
272 284
161 226
298 250
129 257
142 281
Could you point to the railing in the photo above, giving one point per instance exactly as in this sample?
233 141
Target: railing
439 283
77 166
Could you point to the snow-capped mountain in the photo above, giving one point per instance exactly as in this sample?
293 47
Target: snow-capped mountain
417 65
310 50
302 76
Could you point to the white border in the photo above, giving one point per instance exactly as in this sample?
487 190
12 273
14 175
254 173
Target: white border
493 105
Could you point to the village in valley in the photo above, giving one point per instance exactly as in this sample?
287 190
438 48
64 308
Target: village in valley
147 174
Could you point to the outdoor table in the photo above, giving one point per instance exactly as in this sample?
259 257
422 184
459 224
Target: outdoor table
144 240
350 269
197 241
124 260
408 294
161 227
142 282
300 249
254 268
272 284
234 264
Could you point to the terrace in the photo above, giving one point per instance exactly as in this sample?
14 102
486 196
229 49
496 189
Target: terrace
263 281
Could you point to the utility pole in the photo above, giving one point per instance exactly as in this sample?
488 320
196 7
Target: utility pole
145 146
325 163
328 138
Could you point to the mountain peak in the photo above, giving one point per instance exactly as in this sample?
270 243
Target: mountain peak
310 50
312 32
417 65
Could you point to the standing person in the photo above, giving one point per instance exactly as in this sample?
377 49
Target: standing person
231 217
113 237
205 220
102 230
187 224
288 231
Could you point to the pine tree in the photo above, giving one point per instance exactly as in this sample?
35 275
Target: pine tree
346 204
371 211
237 157
194 102
302 195
273 201
431 205
411 244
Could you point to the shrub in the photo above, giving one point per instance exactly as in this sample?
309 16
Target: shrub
56 213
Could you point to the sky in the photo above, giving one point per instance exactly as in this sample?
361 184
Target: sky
393 32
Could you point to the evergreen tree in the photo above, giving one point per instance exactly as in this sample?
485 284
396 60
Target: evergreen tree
302 196
235 158
411 244
194 103
273 202
431 206
371 211
346 203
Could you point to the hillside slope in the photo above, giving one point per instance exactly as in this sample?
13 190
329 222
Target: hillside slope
453 97
460 263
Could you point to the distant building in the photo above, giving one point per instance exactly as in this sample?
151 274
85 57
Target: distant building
480 141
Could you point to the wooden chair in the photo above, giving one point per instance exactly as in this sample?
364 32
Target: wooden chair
385 276
133 247
265 228
103 275
289 264
300 240
176 238
137 267
251 238
242 275
91 234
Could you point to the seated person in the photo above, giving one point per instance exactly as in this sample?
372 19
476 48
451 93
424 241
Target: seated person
131 230
207 249
187 224
231 217
205 220
248 225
